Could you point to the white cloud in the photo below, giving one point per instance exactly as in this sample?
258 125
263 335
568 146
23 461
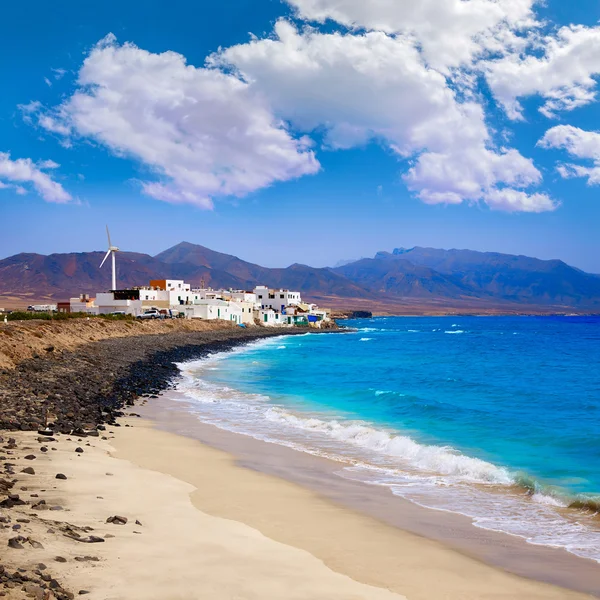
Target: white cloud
25 171
449 32
579 144
478 174
563 75
203 133
373 86
59 73
511 200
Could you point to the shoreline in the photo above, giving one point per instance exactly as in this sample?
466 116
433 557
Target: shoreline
357 531
84 385
195 524
454 532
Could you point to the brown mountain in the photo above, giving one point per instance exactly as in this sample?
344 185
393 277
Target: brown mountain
401 278
316 283
414 280
506 277
61 276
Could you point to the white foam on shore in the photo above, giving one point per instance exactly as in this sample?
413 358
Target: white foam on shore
438 459
437 477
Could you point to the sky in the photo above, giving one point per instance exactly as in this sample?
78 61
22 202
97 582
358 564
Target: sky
307 131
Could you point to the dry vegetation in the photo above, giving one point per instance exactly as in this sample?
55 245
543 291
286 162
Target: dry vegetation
20 340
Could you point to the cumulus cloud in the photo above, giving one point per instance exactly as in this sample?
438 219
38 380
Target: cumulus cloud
14 173
374 86
401 73
449 32
579 144
202 132
563 75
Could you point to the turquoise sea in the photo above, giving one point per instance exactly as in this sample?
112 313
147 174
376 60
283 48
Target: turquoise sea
497 418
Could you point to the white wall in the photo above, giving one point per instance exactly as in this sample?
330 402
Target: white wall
242 296
177 285
269 318
214 309
107 304
276 299
247 312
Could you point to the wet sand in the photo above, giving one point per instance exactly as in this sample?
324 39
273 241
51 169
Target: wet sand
359 530
202 524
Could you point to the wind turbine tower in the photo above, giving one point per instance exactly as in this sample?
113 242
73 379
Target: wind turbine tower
112 250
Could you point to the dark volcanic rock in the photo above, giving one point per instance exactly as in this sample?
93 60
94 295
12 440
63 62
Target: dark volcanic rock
12 500
90 539
28 470
76 392
117 520
16 543
60 476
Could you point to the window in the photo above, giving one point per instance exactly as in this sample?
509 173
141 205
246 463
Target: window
260 297
281 296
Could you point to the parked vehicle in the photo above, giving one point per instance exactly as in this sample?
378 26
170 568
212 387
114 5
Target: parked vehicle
150 314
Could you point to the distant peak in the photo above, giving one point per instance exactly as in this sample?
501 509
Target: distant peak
186 245
395 252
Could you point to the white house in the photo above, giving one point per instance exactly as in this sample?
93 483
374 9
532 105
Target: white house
276 299
241 296
268 317
214 309
170 285
247 309
106 303
82 304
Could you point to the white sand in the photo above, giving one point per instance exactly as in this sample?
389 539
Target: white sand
170 484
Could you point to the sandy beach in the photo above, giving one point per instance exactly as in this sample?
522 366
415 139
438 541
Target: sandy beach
196 528
157 505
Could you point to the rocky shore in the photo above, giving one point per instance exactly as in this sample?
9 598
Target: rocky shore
69 397
85 388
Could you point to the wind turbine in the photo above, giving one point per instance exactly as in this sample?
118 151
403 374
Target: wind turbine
112 250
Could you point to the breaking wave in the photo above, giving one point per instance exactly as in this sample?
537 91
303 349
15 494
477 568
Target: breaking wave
434 476
437 459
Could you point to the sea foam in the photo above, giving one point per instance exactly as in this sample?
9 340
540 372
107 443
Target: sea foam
435 476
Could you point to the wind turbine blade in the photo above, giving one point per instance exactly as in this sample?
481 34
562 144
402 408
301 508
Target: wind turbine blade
107 255
108 236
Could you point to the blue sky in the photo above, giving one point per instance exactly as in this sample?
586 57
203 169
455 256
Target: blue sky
345 156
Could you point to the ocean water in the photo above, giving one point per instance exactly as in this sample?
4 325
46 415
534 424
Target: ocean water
496 418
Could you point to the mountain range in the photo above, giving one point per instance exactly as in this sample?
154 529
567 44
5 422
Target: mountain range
402 281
